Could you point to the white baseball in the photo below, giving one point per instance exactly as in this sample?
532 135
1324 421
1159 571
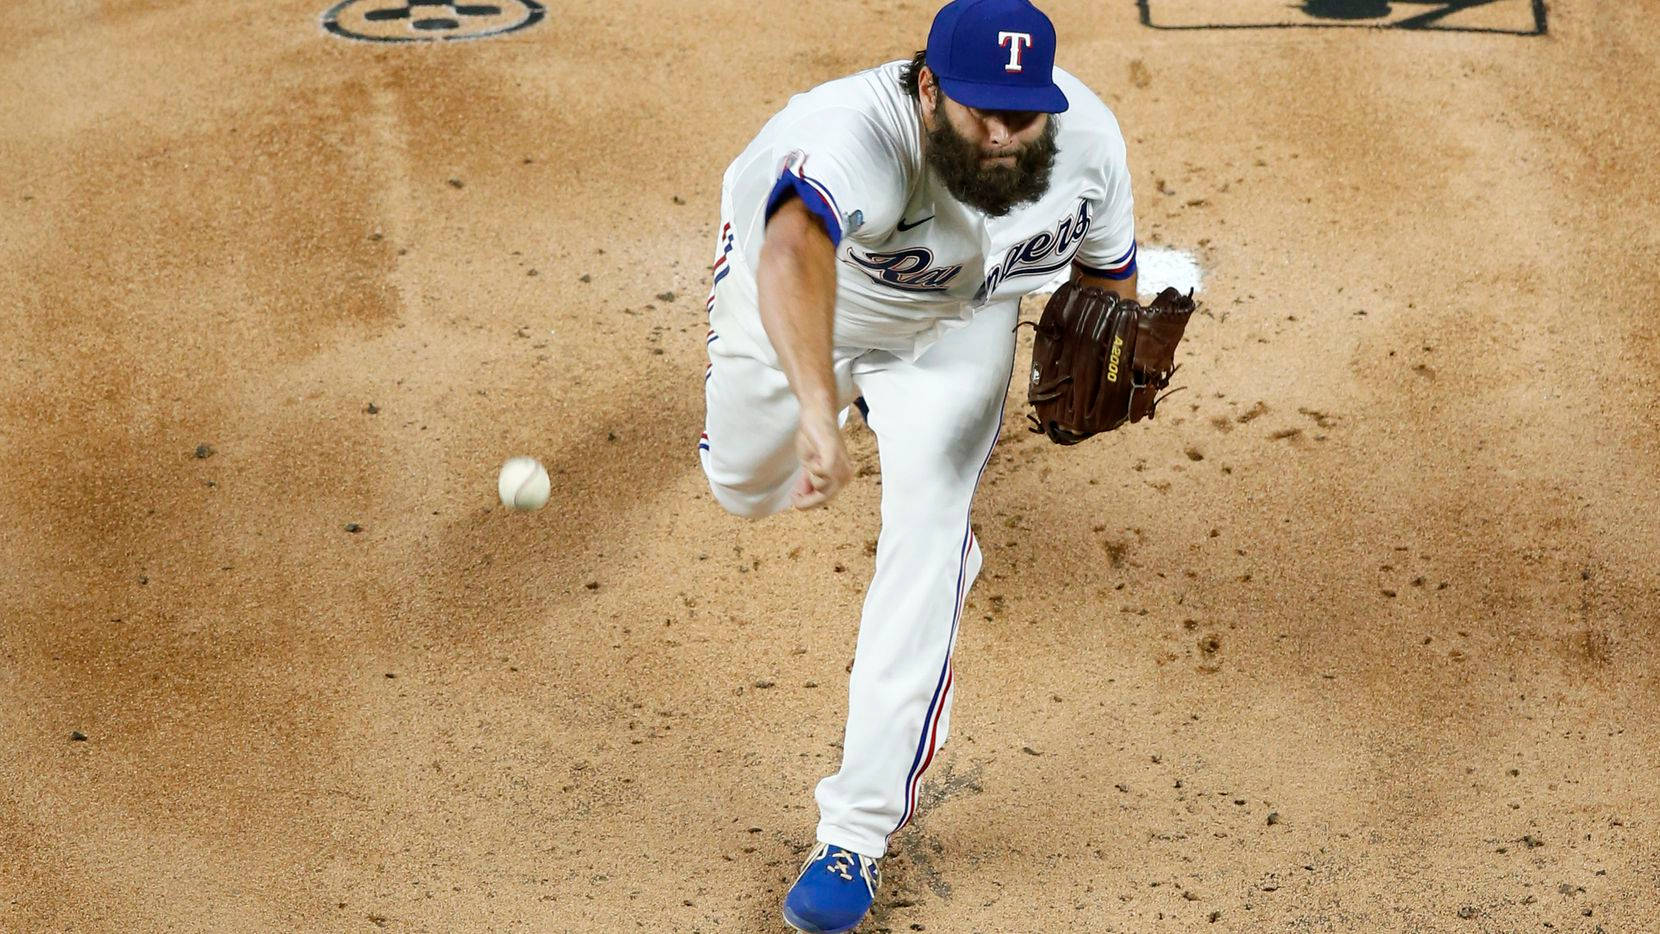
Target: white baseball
523 484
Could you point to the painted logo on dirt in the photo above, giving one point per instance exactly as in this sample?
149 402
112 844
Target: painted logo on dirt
429 20
1507 17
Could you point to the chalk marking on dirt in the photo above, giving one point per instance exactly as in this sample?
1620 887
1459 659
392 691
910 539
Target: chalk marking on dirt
1157 268
394 193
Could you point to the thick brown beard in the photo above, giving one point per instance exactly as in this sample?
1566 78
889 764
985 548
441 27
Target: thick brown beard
997 189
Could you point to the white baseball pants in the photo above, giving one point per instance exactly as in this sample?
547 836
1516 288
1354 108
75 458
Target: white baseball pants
936 420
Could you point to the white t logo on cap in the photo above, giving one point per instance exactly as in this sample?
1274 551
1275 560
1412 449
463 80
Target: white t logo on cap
1016 43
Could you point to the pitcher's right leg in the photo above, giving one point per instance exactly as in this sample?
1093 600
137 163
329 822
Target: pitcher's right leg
748 442
750 420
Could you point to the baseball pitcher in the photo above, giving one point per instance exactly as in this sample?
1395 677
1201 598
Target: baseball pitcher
876 239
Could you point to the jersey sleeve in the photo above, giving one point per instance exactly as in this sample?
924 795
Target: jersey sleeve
1109 249
843 168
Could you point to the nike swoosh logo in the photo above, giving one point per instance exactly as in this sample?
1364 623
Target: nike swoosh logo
904 226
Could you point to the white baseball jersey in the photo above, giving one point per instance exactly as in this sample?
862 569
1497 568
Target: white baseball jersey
912 260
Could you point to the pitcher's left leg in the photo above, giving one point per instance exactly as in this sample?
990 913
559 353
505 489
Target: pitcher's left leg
936 421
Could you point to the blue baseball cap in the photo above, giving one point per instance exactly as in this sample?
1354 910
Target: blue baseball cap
995 55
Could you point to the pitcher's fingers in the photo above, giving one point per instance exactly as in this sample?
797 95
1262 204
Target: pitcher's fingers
812 491
803 484
809 500
815 491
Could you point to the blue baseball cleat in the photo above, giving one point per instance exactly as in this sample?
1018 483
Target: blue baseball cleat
833 893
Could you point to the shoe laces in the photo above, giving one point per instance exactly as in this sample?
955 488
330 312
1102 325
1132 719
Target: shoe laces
844 863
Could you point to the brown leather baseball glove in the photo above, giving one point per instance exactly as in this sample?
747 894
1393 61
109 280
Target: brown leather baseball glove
1099 361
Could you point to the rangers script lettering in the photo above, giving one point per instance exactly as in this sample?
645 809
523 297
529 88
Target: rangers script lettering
1045 253
907 269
